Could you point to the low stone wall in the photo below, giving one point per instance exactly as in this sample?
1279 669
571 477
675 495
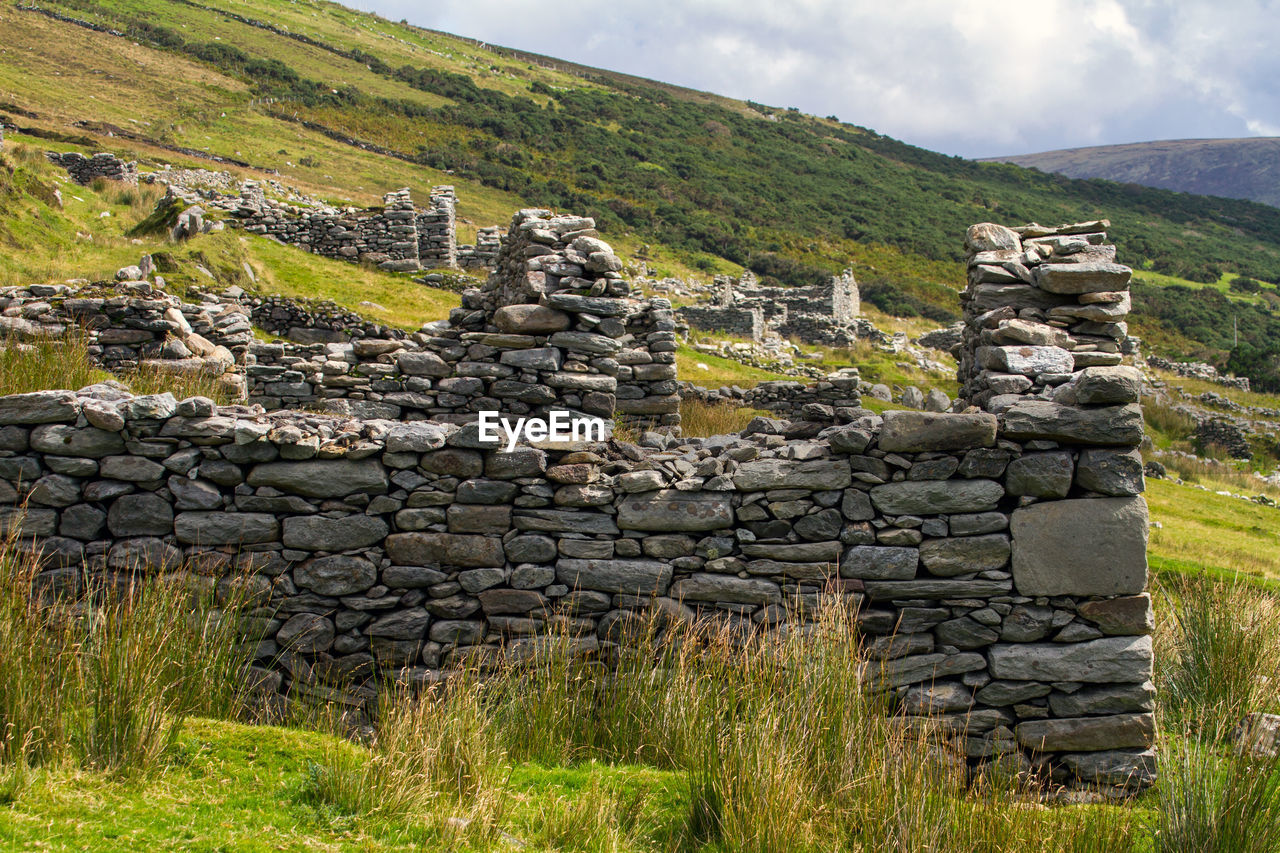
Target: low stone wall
835 399
484 254
822 314
84 170
308 321
1199 370
132 324
1000 574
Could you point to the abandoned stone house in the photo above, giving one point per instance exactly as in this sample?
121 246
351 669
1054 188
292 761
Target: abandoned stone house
818 314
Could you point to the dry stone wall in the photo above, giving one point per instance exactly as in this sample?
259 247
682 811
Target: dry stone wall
820 314
83 170
997 560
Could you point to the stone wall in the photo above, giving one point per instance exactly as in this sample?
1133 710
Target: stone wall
131 325
835 399
533 339
1000 573
997 560
484 254
84 170
308 321
820 314
1042 305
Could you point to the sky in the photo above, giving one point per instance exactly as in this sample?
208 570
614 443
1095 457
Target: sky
975 78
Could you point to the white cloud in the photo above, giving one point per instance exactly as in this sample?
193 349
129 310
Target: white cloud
975 77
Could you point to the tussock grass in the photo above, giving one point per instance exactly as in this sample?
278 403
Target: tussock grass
1218 652
64 362
103 673
704 419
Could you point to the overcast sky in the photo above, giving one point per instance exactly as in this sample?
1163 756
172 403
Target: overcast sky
970 77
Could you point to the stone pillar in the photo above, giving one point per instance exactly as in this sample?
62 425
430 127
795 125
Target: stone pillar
1042 304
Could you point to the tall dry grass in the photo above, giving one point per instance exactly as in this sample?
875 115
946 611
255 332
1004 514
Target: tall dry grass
64 362
104 675
780 744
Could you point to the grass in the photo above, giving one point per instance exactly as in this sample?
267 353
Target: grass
65 363
1201 531
704 419
721 371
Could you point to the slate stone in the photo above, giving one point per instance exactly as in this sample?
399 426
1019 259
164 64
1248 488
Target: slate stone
1125 615
816 474
1105 425
1104 386
453 462
530 548
336 575
457 632
55 490
415 437
422 364
965 555
66 440
322 478
913 432
964 633
1087 734
1027 624
1000 693
194 494
530 319
477 518
306 633
1110 472
1092 546
1040 475
935 589
134 469
672 510
872 562
412 577
1095 277
1127 768
564 521
445 549
797 552
500 601
39 407
226 528
521 462
818 526
318 533
856 506
143 554
917 668
408 624
630 577
974 524
1105 699
933 497
710 587
1026 360
144 514
1110 659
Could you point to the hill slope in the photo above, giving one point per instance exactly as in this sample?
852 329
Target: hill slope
346 105
1231 168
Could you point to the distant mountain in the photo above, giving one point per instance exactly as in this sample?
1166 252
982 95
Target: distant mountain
1231 168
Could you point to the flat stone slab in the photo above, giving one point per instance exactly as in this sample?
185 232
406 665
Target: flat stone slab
935 589
1082 278
912 432
1088 734
630 577
817 474
1107 425
1086 546
445 549
1110 659
937 497
707 587
672 510
322 478
873 562
39 407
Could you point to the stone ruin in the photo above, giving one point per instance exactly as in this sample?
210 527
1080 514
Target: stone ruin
484 254
996 559
83 170
825 314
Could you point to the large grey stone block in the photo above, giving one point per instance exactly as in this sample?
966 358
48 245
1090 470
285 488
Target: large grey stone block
317 533
936 497
322 478
708 587
871 562
631 577
817 474
670 510
1089 546
1107 425
1111 659
912 432
1087 734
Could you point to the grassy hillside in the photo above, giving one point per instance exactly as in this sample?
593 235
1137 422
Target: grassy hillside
784 193
1231 168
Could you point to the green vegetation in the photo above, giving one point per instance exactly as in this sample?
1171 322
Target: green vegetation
707 184
65 363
